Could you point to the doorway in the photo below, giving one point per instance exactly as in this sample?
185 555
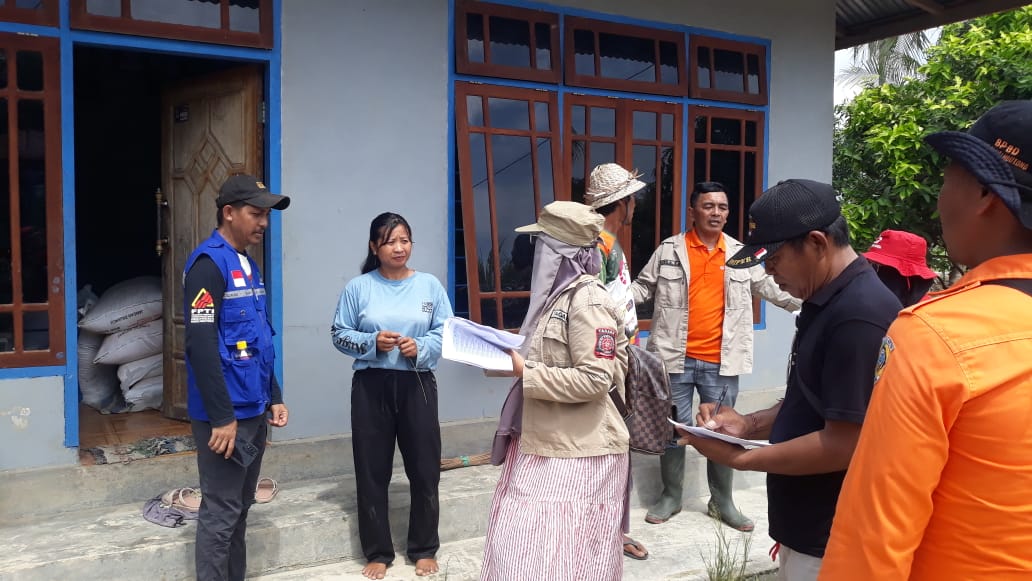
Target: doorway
143 125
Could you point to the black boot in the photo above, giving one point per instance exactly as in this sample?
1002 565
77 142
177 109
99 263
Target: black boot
721 506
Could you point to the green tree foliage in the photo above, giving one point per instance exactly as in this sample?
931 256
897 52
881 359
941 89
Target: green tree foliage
890 60
888 177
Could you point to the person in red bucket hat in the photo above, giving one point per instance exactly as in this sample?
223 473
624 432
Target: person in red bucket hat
899 258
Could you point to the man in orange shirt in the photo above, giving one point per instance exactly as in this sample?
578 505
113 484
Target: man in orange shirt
940 486
702 328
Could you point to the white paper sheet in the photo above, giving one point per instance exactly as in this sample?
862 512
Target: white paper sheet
707 433
478 345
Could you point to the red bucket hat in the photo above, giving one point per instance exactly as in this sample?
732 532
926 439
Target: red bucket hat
903 251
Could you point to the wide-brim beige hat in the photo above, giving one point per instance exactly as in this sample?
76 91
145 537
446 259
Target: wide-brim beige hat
609 183
569 222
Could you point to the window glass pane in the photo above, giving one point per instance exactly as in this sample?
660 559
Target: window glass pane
513 195
584 52
728 66
541 116
726 132
750 186
111 8
701 131
510 41
6 265
627 57
475 110
30 4
508 114
36 331
546 187
668 63
644 125
577 121
754 73
475 38
603 122
643 228
577 181
666 194
601 153
244 16
6 332
703 68
700 170
206 13
489 312
667 127
3 69
543 44
32 195
481 208
750 133
725 167
514 310
30 70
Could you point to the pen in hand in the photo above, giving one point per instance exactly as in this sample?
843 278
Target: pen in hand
720 402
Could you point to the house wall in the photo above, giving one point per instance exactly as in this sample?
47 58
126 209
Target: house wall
32 423
365 108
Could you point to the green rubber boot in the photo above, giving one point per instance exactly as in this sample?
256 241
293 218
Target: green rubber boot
721 506
671 469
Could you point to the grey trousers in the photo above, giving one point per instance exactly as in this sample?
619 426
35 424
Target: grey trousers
227 493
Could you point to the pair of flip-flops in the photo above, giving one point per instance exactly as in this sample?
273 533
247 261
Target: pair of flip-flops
186 499
267 489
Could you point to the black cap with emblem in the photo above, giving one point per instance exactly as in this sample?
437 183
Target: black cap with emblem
249 190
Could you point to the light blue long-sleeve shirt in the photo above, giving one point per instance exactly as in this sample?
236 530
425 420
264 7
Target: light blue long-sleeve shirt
415 307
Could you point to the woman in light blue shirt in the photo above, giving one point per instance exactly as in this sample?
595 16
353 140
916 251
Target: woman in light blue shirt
390 319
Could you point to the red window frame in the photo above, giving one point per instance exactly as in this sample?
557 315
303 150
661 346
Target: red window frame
745 49
463 65
51 98
45 15
126 24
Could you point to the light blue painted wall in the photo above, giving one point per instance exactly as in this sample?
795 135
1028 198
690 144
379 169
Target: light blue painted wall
32 423
357 142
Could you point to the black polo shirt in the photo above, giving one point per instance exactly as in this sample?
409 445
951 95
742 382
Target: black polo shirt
838 334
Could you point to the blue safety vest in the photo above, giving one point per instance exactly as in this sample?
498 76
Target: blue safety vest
243 317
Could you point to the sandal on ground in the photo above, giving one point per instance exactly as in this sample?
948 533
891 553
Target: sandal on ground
188 499
266 491
636 545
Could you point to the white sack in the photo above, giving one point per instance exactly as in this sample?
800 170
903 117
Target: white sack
130 345
133 371
98 383
128 304
145 394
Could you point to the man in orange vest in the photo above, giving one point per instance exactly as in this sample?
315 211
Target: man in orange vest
939 486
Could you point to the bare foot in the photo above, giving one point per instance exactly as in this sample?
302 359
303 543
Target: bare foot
375 570
426 567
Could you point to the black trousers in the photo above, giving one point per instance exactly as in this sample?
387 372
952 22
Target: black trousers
402 405
227 493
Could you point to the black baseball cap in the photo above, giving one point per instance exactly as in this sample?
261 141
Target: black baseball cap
997 150
250 190
785 211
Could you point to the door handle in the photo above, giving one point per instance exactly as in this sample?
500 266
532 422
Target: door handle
160 203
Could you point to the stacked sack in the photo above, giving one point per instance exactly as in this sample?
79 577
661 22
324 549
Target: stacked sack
120 346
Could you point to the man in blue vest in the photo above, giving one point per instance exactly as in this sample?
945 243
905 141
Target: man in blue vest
231 386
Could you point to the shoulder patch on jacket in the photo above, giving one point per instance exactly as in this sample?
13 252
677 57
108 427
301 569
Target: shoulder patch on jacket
887 347
605 343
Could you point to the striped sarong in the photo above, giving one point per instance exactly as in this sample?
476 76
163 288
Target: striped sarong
556 518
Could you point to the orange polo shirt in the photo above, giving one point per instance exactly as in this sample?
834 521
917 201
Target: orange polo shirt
705 298
940 486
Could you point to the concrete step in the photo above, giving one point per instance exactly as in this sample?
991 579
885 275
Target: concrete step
309 522
679 549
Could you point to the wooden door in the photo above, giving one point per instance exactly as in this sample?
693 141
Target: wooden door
210 131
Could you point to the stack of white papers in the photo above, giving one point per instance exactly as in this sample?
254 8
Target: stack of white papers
473 344
708 433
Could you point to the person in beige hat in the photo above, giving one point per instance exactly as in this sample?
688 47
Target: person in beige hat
611 192
559 506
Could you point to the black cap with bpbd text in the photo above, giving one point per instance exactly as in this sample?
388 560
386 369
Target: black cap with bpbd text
785 211
997 150
251 191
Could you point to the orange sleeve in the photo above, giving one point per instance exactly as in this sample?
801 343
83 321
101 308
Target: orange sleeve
886 500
